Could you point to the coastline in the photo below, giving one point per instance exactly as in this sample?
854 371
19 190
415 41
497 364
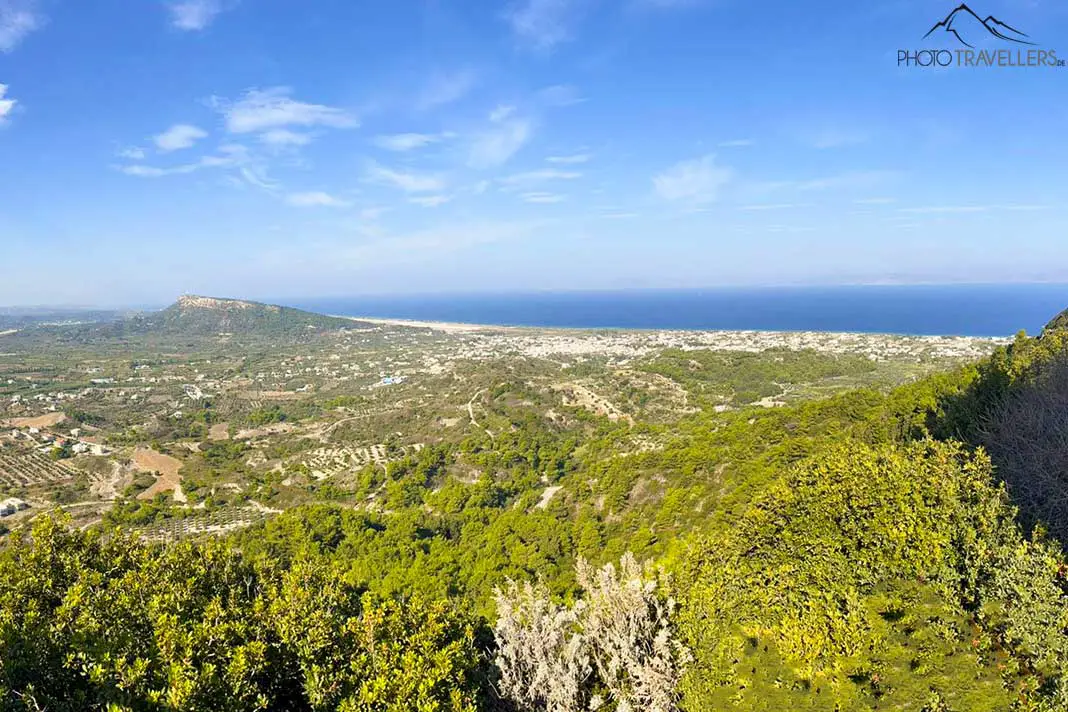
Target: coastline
453 327
449 327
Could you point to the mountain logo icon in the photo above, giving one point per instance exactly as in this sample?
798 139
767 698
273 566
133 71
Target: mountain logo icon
964 24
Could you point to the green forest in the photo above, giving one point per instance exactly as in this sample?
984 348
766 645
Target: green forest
875 549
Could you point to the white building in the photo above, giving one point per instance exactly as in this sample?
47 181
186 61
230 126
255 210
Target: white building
10 506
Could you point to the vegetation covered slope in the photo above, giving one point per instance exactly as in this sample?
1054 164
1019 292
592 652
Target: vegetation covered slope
862 552
90 622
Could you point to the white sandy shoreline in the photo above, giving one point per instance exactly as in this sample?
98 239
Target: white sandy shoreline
453 327
445 326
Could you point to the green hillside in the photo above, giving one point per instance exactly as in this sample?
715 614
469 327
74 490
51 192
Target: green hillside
872 550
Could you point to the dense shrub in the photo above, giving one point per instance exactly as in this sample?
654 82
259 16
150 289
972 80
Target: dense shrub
90 622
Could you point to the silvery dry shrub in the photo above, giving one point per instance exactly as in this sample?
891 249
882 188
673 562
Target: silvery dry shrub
611 650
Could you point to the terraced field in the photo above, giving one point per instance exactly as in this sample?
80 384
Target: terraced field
214 523
328 462
27 468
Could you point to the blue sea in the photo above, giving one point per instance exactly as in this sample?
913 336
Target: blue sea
965 310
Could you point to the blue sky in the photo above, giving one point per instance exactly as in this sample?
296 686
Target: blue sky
329 147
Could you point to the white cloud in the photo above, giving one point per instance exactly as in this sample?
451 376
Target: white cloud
535 177
154 172
316 199
496 145
430 201
284 137
542 198
696 181
406 181
257 177
567 160
545 23
229 156
6 105
265 109
407 141
194 14
738 143
178 137
233 154
445 88
18 18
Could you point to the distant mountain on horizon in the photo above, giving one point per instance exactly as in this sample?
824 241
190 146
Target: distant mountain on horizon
199 315
964 22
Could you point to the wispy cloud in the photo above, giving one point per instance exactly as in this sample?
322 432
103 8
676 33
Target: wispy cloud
155 172
430 201
284 137
6 105
1018 207
850 180
232 156
194 14
257 177
696 181
544 24
537 197
875 201
738 143
444 88
343 256
267 109
502 140
535 177
428 244
407 141
561 95
407 181
178 137
373 213
132 153
18 18
569 160
501 113
941 209
316 199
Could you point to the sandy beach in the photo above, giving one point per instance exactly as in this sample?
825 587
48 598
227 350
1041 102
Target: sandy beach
443 326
